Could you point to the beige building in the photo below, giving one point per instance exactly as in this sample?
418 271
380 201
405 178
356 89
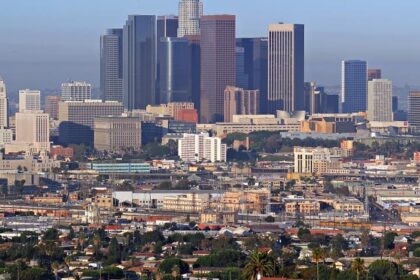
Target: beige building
117 133
303 206
29 100
33 127
51 106
216 217
380 100
29 164
311 160
238 101
285 67
175 107
190 203
250 123
349 205
161 109
4 105
247 201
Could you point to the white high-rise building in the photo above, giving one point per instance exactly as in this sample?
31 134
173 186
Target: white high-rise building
380 100
33 128
201 147
76 91
311 160
4 115
190 12
29 100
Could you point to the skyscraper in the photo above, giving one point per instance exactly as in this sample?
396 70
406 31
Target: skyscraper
374 74
175 73
380 100
167 27
190 12
195 60
4 105
414 110
76 91
285 67
51 106
315 98
354 86
139 62
29 100
111 65
256 67
241 75
240 102
218 67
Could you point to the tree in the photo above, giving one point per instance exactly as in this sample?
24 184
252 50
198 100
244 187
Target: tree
168 265
383 270
318 255
270 219
259 265
55 266
114 252
50 234
358 266
389 240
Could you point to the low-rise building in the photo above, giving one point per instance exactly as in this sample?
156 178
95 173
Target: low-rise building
302 206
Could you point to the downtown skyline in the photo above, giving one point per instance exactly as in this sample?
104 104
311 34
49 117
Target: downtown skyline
50 55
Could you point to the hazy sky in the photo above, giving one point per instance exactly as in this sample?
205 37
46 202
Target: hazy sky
45 42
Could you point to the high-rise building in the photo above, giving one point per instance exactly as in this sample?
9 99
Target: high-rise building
414 110
374 74
201 147
239 101
29 100
175 77
256 67
116 133
395 104
51 106
139 62
241 75
218 67
195 68
77 118
167 27
286 67
332 103
33 128
354 86
380 100
111 65
4 105
190 12
76 91
315 99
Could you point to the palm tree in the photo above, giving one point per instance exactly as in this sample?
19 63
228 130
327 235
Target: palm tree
318 255
175 272
259 265
358 266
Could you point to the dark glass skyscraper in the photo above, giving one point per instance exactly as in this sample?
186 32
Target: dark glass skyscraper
175 74
354 86
140 60
112 65
167 26
195 60
218 67
255 65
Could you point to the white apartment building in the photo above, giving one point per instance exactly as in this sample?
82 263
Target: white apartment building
311 160
4 116
189 14
29 100
201 147
380 100
33 128
75 91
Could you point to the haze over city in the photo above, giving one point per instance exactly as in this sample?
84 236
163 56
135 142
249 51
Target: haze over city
47 42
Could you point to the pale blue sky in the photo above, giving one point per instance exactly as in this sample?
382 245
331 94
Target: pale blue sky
44 42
